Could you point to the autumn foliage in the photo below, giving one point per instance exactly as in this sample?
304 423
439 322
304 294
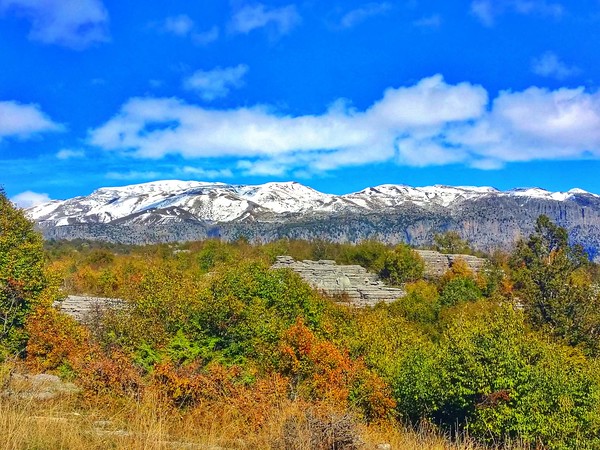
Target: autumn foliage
207 328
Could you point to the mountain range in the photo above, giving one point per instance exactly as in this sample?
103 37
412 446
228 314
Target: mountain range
172 210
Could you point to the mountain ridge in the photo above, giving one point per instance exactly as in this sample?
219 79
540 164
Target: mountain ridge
171 210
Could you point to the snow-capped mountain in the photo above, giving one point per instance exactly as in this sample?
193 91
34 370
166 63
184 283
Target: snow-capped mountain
219 202
187 210
207 202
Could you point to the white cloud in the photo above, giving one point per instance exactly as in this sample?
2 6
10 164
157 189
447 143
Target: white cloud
429 123
429 103
207 173
180 25
536 124
257 16
183 26
19 120
28 199
272 143
488 10
359 15
205 37
66 153
269 168
216 83
71 23
484 11
133 175
550 65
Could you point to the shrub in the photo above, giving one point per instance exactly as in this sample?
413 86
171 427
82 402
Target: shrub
421 303
401 265
491 376
451 242
318 370
56 341
23 279
320 429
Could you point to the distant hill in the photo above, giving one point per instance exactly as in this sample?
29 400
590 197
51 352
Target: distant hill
164 211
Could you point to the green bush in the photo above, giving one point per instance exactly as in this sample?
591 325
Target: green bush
402 264
493 377
421 304
459 290
22 275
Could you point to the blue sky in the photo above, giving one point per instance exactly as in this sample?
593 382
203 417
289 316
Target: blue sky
338 95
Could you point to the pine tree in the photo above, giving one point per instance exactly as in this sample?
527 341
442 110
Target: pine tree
553 282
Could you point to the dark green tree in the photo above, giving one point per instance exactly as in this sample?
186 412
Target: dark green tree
22 275
369 254
553 283
451 242
402 264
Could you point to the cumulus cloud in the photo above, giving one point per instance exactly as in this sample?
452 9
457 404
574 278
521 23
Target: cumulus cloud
28 199
269 142
183 26
212 174
428 123
252 17
550 65
536 124
75 24
216 83
358 15
22 121
488 10
180 25
67 153
133 175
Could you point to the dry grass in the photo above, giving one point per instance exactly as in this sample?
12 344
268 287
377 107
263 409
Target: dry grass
73 422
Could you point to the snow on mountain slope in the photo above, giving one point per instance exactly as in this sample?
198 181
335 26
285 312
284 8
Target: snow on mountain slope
547 195
391 195
289 197
220 202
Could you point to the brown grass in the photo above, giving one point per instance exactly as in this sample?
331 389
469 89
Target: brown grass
74 422
67 424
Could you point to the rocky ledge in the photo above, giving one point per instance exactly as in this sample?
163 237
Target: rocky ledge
351 283
436 263
86 308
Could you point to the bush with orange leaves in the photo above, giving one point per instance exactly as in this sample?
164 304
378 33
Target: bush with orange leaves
218 386
320 371
109 373
58 343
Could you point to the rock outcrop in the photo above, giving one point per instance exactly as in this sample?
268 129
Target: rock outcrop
436 263
351 283
36 387
86 308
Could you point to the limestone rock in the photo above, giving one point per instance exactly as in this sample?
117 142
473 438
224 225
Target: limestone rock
85 308
349 282
38 387
436 263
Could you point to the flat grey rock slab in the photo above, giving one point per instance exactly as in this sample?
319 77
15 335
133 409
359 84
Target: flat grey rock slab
82 308
351 283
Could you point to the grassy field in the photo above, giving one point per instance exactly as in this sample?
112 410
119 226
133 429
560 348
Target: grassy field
67 424
74 421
